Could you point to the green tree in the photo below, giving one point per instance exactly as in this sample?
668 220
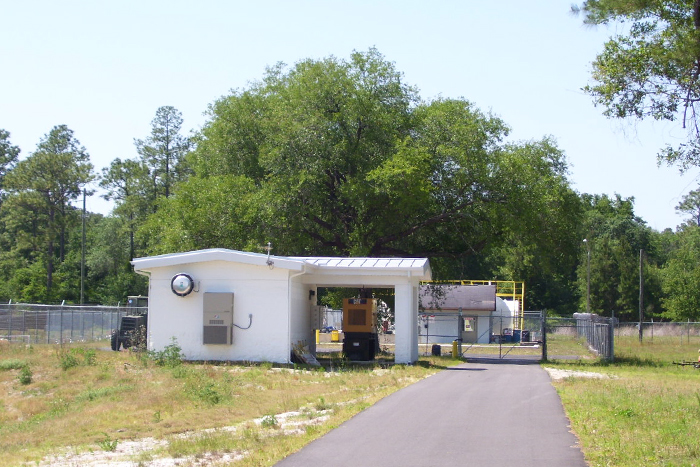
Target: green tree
653 69
615 236
110 277
43 187
223 211
8 158
681 276
315 133
340 157
163 152
126 183
691 205
541 231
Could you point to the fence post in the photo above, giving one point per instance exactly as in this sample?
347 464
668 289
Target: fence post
543 327
611 341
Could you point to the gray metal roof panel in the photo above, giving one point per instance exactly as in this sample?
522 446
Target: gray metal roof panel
385 265
454 297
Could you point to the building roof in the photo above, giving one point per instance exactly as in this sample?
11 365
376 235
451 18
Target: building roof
454 297
419 267
365 263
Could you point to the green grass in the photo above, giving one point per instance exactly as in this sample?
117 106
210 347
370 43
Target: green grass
12 364
646 413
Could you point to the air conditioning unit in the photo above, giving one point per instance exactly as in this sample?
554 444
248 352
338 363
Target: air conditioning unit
218 318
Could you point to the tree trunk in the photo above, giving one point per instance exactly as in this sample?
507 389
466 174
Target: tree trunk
50 252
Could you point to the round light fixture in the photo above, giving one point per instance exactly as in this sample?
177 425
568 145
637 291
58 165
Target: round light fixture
182 284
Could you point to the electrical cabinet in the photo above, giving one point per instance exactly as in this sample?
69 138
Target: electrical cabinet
218 318
317 316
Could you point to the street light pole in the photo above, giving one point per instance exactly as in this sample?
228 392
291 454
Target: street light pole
588 276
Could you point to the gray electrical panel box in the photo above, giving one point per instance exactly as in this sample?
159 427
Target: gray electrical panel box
218 318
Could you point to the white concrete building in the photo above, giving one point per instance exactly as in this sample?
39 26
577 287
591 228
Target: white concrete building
472 313
237 306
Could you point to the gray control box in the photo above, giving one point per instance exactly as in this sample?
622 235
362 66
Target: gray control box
218 318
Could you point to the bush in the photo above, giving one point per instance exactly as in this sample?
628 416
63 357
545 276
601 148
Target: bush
25 376
72 358
269 421
67 360
171 356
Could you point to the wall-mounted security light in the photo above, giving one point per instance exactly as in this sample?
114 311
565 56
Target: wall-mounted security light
182 284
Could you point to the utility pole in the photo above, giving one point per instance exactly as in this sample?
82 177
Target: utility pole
641 294
82 256
588 276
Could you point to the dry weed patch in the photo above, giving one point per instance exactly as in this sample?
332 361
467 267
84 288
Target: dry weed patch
85 398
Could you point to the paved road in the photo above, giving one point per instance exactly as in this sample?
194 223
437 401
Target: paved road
481 413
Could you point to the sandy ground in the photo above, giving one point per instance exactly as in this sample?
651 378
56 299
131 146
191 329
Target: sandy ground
557 374
136 452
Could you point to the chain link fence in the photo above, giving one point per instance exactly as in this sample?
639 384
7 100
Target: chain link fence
60 323
663 332
578 336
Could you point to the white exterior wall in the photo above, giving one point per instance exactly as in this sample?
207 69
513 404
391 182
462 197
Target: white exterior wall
257 290
406 321
301 328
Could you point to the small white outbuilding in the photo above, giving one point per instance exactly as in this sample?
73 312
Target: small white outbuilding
231 305
472 313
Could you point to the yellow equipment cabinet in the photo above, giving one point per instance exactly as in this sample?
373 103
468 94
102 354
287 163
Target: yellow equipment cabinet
360 328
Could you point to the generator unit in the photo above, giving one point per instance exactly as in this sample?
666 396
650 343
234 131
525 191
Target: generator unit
132 327
360 328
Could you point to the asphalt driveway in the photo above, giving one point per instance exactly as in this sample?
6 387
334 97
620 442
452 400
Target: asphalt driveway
483 413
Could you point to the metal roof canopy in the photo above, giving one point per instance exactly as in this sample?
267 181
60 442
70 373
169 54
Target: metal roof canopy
418 268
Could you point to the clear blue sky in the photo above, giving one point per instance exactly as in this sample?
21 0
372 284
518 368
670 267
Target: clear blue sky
103 68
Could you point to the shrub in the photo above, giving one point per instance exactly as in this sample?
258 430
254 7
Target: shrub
171 356
25 375
108 444
269 421
75 357
67 360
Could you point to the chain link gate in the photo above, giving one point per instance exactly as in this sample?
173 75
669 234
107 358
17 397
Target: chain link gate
493 335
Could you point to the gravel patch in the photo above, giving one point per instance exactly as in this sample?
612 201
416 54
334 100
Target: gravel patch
557 374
